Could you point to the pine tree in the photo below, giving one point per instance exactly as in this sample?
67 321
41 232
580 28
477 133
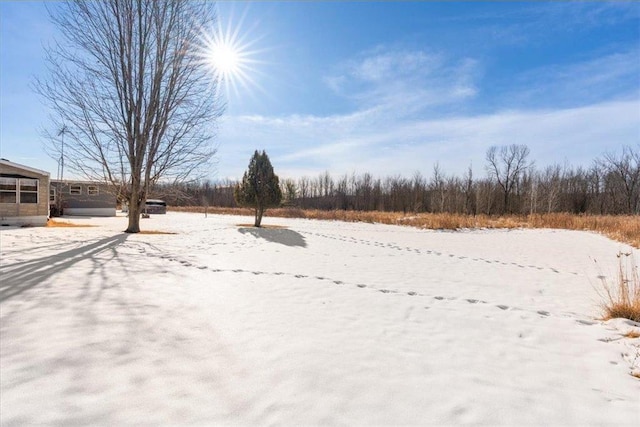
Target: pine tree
260 187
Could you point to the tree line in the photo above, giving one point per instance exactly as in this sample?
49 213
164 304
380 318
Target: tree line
511 184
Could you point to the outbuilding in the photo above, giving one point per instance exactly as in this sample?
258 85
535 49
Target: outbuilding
24 195
155 206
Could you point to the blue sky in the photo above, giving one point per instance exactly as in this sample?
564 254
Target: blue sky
387 87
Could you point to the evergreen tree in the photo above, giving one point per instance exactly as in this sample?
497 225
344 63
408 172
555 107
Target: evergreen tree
260 187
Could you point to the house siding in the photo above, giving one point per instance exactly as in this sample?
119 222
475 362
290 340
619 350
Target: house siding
85 204
25 213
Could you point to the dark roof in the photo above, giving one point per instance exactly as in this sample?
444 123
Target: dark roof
15 175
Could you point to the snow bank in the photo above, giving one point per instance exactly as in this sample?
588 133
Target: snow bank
319 323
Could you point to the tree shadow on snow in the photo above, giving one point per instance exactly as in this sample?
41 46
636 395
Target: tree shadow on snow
282 236
21 276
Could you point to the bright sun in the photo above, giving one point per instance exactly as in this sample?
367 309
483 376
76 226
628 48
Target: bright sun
228 58
225 59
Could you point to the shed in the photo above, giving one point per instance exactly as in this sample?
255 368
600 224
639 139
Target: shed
23 194
155 206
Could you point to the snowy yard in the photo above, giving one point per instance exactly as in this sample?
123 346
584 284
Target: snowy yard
318 323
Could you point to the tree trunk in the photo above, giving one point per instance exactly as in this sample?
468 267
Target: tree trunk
258 219
134 217
506 202
135 207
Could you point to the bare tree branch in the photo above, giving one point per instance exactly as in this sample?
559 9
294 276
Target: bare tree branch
126 80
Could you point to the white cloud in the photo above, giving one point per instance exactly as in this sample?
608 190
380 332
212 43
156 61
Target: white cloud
410 80
400 126
366 142
605 77
390 65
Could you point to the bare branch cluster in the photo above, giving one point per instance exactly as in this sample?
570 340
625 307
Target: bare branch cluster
125 82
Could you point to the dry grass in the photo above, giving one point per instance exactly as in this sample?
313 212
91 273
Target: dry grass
58 224
624 229
632 334
622 298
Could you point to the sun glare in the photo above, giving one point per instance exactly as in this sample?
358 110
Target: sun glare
225 60
229 58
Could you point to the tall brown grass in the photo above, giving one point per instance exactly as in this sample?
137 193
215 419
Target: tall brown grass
622 298
624 229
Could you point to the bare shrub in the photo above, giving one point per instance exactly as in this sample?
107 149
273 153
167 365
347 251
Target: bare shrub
621 299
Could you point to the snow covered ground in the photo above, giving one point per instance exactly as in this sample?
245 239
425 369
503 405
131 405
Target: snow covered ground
318 323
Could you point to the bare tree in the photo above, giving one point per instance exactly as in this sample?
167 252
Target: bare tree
549 182
596 187
342 193
626 170
506 164
128 82
289 190
438 187
469 199
419 185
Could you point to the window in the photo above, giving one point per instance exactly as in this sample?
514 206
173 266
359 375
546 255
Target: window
92 190
14 190
52 195
75 189
28 191
8 190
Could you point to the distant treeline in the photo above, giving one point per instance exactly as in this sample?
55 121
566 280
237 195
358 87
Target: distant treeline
511 185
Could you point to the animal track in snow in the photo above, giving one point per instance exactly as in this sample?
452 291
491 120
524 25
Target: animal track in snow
411 293
418 251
